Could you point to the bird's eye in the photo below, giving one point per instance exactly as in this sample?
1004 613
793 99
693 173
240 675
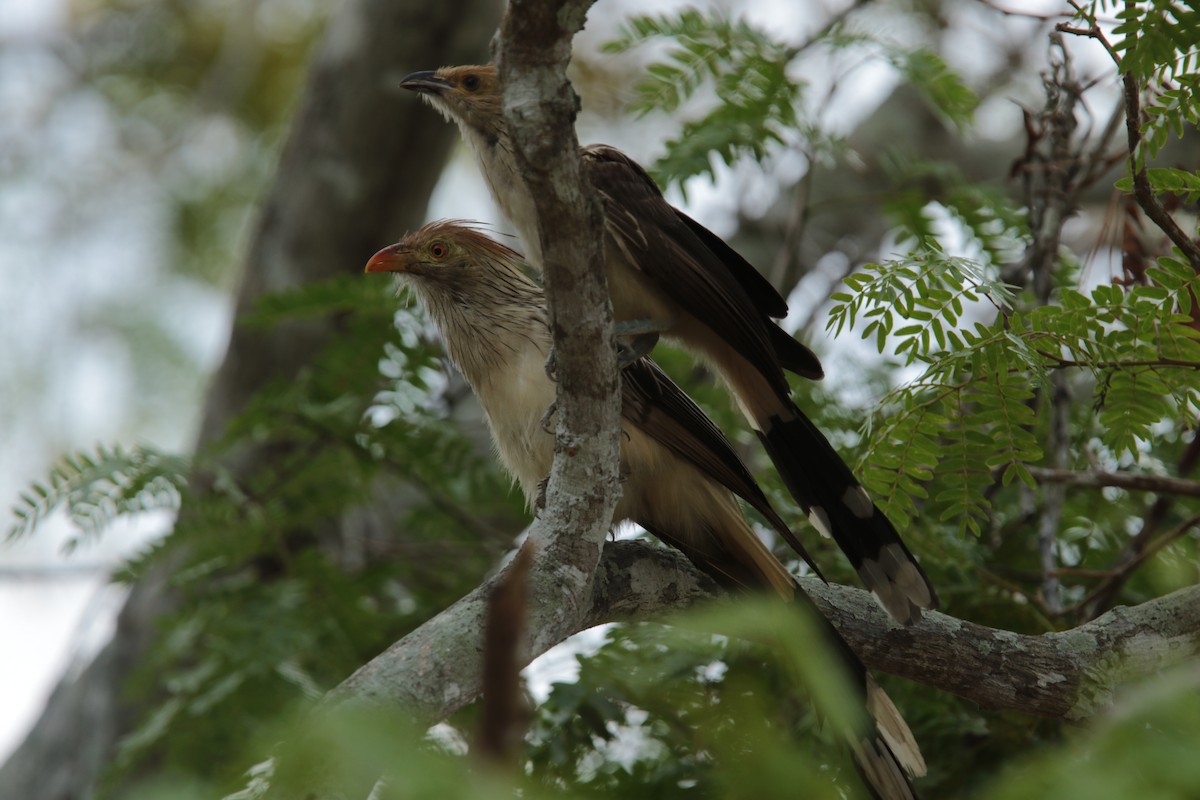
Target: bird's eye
438 250
471 83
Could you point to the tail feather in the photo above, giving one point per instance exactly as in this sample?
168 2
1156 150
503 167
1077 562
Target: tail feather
839 507
725 547
880 770
894 731
887 754
794 356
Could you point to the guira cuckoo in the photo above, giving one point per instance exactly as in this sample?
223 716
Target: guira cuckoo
669 275
680 474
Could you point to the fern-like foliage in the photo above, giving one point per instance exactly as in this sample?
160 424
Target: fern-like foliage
758 104
985 216
1158 43
1169 180
932 76
1159 40
928 290
748 70
970 416
97 487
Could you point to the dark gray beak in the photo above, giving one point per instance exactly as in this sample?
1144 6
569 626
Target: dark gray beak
425 82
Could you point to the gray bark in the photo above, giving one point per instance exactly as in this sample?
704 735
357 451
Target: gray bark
437 669
1068 675
355 173
532 51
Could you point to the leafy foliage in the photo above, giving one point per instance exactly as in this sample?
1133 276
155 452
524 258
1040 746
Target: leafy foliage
756 99
758 106
96 488
1158 43
970 414
1169 180
712 715
941 86
1154 728
1159 40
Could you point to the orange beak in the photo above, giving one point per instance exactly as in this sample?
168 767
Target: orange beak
390 259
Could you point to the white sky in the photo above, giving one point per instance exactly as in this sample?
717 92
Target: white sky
69 381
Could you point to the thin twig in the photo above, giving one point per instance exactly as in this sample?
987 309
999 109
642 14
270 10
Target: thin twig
1142 189
1092 31
1009 12
1122 572
1066 363
1141 181
1160 484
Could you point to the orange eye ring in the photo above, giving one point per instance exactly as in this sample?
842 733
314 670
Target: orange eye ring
438 250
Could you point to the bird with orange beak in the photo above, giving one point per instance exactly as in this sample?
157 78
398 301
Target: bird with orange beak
670 276
681 476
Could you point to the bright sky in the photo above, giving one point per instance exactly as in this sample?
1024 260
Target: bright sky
68 379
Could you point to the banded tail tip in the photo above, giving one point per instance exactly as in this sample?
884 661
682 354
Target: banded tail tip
859 502
880 770
890 725
820 521
898 584
890 756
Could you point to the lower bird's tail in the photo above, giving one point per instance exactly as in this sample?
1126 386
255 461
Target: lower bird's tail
839 507
889 755
886 754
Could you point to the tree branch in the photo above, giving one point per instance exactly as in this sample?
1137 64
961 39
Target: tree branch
1141 181
532 50
1142 190
1070 675
1160 484
437 669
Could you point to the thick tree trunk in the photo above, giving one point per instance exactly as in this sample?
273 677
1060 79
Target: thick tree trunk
355 173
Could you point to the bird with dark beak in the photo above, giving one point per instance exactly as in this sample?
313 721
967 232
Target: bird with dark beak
681 476
668 275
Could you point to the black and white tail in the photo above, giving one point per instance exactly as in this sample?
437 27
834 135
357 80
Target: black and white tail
839 507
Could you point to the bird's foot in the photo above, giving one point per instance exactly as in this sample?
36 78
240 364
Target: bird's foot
634 348
544 422
539 498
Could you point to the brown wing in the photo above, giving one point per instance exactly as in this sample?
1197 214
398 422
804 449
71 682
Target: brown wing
654 402
765 296
665 249
793 356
